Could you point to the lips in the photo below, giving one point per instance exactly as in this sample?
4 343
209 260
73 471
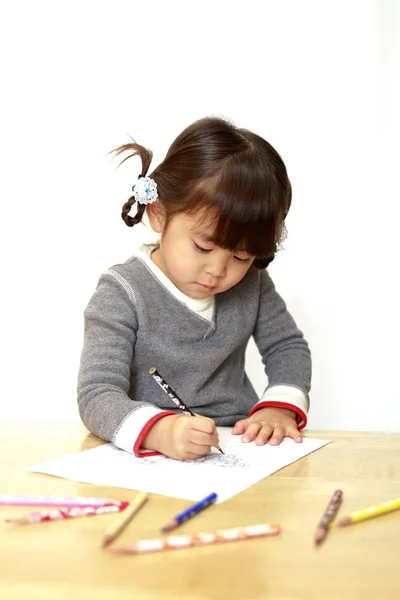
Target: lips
207 288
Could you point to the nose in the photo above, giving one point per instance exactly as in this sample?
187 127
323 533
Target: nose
217 265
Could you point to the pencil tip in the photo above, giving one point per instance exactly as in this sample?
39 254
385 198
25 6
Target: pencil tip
169 526
320 535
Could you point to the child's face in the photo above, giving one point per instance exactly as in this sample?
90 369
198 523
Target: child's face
191 261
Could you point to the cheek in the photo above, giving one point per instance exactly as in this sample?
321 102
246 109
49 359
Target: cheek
239 272
187 264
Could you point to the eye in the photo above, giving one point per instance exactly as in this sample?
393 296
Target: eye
243 260
200 249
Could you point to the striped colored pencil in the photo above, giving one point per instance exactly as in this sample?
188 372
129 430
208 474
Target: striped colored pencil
116 528
175 542
74 501
328 516
173 396
67 513
368 513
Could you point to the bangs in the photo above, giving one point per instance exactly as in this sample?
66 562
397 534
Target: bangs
243 209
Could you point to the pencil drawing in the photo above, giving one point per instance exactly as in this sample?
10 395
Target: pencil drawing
211 459
219 460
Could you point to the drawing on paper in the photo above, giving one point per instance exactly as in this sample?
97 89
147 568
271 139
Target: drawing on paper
219 460
212 459
151 460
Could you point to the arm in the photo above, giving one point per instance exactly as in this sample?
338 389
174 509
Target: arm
104 381
104 376
286 358
284 352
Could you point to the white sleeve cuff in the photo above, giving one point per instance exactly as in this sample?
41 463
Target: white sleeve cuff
286 396
133 426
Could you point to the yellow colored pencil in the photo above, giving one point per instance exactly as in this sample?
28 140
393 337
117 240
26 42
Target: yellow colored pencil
116 528
367 513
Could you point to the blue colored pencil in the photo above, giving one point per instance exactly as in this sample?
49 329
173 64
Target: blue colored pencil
189 512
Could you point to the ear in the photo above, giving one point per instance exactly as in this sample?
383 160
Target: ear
156 215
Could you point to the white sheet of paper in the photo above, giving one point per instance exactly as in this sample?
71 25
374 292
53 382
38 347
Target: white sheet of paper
227 474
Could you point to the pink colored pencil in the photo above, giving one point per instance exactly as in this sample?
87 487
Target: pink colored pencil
174 542
70 502
68 513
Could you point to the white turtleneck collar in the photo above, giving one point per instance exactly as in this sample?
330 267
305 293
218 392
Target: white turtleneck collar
204 307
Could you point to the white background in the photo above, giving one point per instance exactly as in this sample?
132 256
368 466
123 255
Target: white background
318 79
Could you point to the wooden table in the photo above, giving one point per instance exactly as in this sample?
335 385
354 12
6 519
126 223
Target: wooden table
60 560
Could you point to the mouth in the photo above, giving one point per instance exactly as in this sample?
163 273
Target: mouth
206 288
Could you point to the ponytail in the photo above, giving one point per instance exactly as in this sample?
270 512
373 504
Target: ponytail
145 156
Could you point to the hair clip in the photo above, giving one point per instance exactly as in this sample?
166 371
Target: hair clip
145 190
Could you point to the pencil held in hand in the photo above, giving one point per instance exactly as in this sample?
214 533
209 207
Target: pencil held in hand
129 513
172 395
328 516
170 392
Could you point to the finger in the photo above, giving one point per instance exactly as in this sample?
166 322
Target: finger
294 433
264 435
240 427
197 449
215 440
277 435
203 439
203 424
251 432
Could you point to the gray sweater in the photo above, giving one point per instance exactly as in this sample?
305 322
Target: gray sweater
133 323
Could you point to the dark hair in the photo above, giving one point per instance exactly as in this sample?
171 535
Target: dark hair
235 175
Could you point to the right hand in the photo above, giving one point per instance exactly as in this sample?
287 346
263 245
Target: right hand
181 437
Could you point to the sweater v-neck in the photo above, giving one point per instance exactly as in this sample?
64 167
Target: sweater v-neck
203 307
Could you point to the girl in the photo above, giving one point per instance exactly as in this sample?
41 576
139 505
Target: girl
188 305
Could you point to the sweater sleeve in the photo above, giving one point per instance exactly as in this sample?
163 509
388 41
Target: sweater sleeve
104 375
285 354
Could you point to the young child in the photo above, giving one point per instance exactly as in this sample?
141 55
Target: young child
188 305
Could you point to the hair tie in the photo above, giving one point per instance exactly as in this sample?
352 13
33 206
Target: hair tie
145 190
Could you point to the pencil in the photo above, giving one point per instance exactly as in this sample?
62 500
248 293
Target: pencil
367 513
175 542
67 501
190 512
329 514
117 527
58 514
172 395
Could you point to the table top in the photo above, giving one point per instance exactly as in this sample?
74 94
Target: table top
63 559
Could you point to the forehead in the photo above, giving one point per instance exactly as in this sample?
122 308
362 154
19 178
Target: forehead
201 225
198 223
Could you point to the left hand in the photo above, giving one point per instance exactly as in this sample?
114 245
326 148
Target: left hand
268 424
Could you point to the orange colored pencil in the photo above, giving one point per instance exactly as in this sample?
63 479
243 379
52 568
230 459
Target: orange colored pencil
175 542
